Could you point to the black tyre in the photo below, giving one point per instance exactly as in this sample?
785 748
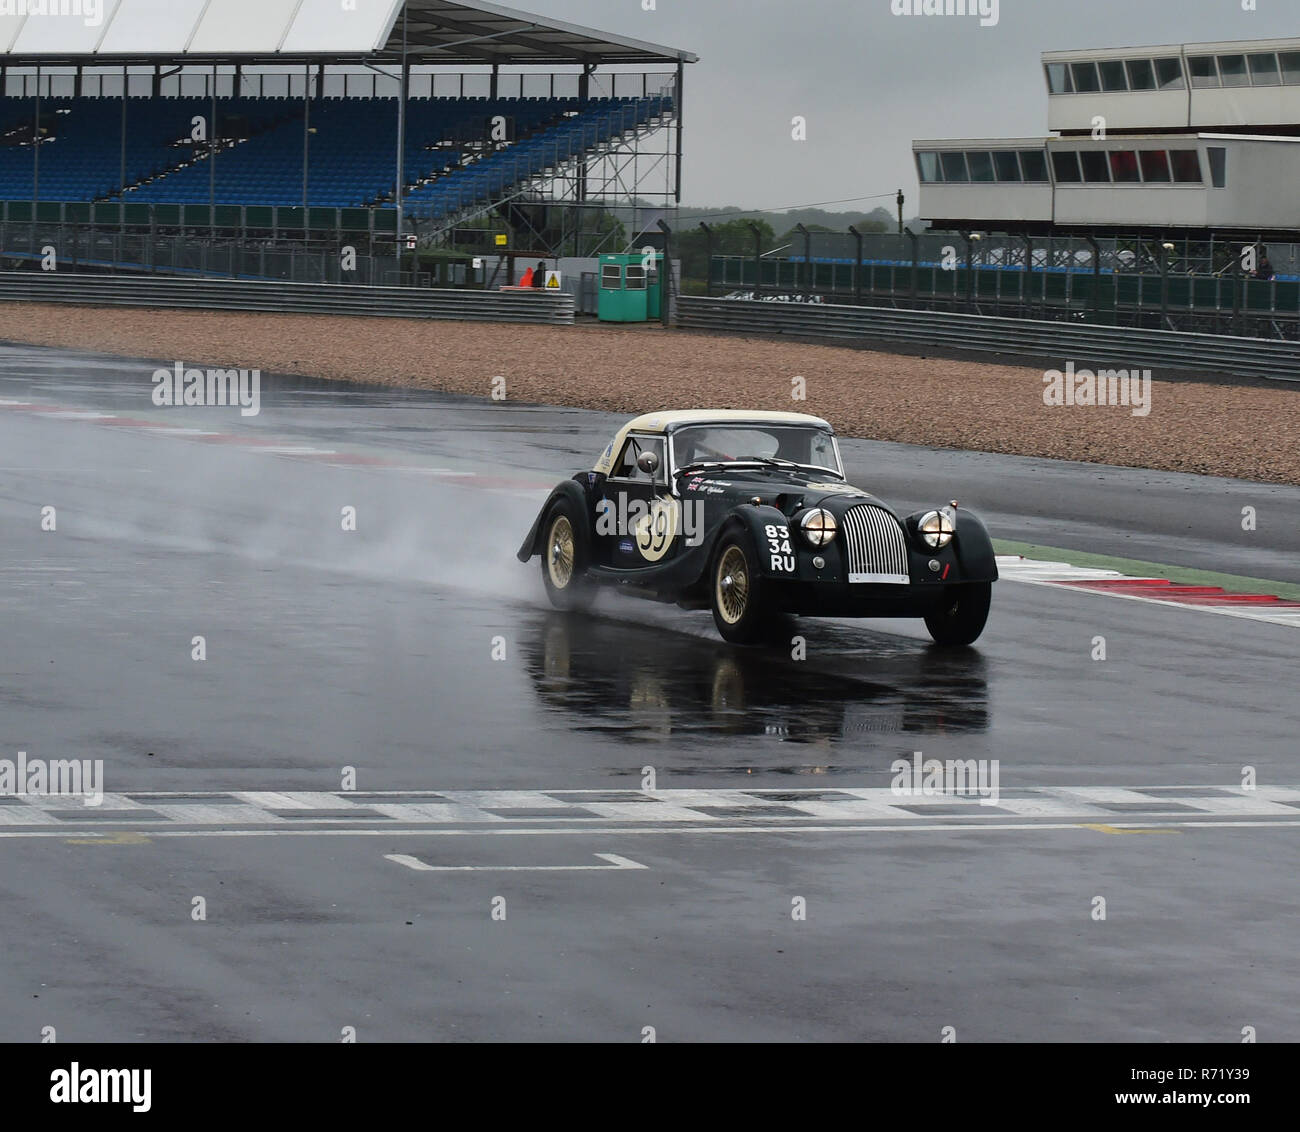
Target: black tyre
961 618
736 590
565 556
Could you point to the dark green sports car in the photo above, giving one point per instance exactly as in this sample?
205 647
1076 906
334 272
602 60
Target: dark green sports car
749 514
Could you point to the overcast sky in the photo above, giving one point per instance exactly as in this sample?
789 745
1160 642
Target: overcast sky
868 82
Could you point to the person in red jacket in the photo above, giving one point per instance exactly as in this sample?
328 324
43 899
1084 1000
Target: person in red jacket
527 280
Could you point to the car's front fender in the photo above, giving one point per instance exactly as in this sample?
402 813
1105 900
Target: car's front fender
755 519
974 547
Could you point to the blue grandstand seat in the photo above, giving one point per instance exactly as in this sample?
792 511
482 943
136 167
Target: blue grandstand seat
350 157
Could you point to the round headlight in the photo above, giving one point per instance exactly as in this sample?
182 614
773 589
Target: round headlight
819 527
937 529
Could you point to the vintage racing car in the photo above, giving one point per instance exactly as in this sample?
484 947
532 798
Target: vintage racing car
749 514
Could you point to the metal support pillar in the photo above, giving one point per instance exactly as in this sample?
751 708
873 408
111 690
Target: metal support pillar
857 265
399 194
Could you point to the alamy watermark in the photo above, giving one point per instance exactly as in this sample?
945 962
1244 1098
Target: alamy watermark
179 386
987 10
1106 388
653 524
90 12
55 778
76 1085
958 778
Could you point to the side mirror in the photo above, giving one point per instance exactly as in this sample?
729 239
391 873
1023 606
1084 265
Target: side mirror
648 462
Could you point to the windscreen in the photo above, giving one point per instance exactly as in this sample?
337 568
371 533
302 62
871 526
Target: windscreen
811 447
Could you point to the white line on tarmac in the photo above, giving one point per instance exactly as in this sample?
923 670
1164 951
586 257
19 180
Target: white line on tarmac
616 864
679 830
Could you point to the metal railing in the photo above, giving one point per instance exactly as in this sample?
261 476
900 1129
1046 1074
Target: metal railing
297 298
1090 346
87 251
197 81
245 221
1224 303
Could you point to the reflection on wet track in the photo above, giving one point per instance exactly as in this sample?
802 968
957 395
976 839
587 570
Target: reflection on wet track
640 682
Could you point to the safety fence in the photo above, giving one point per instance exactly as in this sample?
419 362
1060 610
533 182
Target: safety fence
1214 304
1089 346
300 298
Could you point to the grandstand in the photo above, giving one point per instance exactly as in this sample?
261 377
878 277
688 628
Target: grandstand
296 118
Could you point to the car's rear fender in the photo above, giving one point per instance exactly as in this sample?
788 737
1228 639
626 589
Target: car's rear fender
571 490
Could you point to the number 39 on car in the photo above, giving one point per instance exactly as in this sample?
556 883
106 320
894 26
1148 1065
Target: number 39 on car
749 514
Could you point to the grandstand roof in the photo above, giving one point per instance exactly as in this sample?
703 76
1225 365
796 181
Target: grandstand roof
462 32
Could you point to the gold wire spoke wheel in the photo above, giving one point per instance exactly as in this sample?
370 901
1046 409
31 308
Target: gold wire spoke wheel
732 585
559 553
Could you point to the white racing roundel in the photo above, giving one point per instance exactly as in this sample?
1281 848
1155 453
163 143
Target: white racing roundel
654 533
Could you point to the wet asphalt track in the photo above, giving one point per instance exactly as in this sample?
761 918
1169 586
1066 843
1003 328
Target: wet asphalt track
373 650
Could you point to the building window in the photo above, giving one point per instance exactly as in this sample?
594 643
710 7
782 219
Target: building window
1085 78
954 166
1006 165
1218 166
1058 79
1124 167
1187 166
980 166
1263 70
927 165
1155 167
1141 74
1232 70
1033 163
1204 73
1169 74
1290 67
1094 166
1112 75
1065 164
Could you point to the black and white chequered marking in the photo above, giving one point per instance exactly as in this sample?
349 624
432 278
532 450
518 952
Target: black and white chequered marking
601 808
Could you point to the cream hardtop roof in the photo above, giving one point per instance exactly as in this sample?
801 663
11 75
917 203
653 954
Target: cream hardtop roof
668 420
675 418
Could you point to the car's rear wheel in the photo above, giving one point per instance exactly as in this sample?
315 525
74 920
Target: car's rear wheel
961 618
736 590
565 555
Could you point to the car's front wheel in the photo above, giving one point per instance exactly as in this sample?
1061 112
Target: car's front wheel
736 590
961 618
565 555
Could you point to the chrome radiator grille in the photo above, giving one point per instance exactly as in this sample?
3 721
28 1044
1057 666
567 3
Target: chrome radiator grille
874 546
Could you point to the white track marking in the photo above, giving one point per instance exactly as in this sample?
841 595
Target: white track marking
793 809
294 800
26 815
170 430
616 864
432 812
79 415
950 826
1013 568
